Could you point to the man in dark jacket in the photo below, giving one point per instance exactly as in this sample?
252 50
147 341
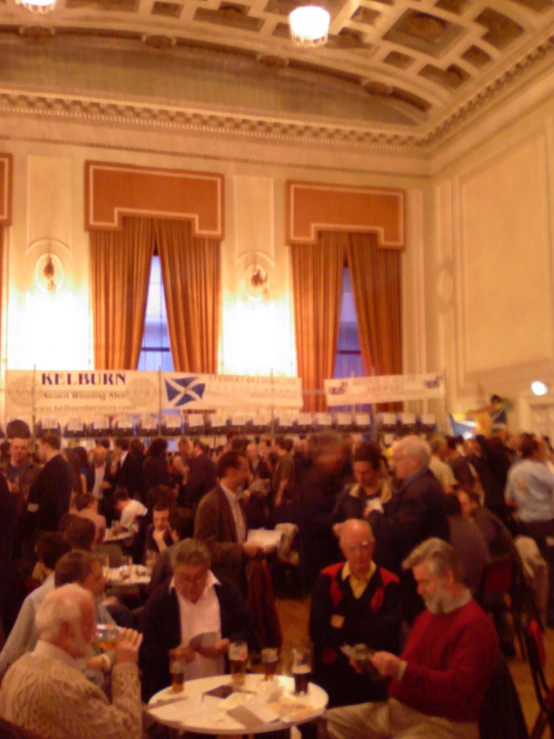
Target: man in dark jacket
51 492
202 476
192 617
416 513
353 602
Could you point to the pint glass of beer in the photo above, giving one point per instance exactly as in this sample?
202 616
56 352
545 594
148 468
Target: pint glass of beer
270 657
238 657
177 670
106 636
301 668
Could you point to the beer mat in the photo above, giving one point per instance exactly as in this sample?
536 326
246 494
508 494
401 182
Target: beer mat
167 701
255 714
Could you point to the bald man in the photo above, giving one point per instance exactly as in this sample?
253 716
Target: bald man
353 602
45 691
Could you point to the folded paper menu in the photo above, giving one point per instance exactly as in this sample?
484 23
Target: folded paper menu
207 639
253 714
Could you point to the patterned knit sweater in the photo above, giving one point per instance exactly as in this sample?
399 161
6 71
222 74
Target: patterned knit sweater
55 701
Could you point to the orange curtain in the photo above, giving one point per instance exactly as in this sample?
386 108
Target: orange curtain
376 284
191 271
317 289
119 278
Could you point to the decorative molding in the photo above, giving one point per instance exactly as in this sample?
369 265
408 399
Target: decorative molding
6 168
313 207
116 190
265 127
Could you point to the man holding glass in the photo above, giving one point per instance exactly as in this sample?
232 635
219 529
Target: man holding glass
354 603
190 621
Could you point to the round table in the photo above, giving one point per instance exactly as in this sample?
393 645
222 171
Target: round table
184 711
139 576
111 538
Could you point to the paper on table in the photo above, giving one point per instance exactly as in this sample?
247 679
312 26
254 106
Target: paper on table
254 714
266 538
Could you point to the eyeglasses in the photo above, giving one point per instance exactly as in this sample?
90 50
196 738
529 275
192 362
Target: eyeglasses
361 547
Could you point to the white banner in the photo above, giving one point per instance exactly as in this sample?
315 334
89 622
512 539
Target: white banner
383 389
215 392
82 394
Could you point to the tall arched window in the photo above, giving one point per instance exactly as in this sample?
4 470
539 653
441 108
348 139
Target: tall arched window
155 351
348 361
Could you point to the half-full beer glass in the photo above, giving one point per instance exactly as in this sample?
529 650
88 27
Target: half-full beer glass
238 657
301 668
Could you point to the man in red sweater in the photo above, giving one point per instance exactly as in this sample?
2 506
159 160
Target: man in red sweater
440 680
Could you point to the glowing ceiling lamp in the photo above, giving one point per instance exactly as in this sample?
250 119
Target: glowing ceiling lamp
309 25
37 6
539 388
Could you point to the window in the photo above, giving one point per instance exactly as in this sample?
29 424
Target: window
155 352
348 362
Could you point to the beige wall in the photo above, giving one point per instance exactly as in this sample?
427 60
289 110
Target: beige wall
492 279
54 331
478 283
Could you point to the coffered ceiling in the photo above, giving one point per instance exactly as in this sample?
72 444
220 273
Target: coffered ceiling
402 64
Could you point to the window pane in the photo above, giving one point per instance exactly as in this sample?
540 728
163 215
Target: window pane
155 351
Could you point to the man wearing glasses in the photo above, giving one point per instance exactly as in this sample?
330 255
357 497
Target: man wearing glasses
353 603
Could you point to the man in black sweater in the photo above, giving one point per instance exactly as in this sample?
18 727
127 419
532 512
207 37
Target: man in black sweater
353 602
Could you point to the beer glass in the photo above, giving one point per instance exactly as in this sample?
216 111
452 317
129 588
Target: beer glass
360 657
105 636
105 560
126 567
238 657
301 668
177 670
270 657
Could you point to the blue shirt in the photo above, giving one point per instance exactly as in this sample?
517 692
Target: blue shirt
531 487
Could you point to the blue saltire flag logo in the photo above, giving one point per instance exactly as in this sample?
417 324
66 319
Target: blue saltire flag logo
183 390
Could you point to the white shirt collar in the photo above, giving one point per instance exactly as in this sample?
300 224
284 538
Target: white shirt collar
212 580
51 651
231 497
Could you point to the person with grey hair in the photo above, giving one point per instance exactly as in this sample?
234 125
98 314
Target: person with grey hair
439 682
193 617
45 692
417 512
353 602
438 466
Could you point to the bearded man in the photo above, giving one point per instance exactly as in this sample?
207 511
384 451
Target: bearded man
440 680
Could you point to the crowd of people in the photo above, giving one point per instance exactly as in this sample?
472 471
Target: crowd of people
390 544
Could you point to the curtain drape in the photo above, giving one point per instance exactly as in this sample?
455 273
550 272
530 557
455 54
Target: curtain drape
376 285
119 278
317 289
191 271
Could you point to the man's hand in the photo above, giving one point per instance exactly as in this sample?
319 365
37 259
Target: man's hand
184 652
252 550
127 647
387 664
219 648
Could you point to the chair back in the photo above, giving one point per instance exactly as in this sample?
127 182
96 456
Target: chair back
536 654
497 577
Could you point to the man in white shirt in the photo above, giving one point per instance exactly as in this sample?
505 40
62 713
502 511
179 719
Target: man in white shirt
100 454
192 617
129 509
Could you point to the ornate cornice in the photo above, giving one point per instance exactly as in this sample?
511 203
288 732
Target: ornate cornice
109 112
